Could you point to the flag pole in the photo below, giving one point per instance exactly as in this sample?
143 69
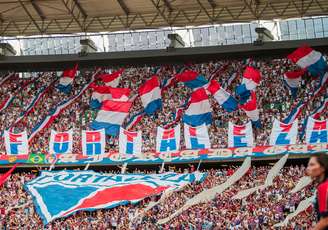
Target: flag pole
87 166
198 166
52 166
162 167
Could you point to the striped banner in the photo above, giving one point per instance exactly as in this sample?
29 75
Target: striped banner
6 78
4 105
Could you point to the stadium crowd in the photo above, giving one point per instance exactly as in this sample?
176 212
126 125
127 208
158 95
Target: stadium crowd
273 100
261 210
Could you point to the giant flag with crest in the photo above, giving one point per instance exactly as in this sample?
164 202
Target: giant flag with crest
196 137
240 135
61 142
16 143
111 116
130 143
316 131
199 111
283 134
93 142
150 94
168 140
59 194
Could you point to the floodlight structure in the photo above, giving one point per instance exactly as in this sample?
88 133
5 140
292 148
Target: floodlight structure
263 35
7 50
87 46
176 41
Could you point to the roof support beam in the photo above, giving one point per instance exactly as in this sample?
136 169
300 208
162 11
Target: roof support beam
212 3
38 10
81 9
71 12
123 6
168 5
30 16
161 12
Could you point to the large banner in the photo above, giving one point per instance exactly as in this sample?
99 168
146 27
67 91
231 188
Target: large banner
61 142
283 134
62 193
316 131
16 143
182 156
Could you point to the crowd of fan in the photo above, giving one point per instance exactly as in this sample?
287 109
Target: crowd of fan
261 210
274 101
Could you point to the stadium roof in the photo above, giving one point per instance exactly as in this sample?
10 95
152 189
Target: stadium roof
36 17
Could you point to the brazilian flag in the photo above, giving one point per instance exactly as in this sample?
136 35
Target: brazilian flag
36 158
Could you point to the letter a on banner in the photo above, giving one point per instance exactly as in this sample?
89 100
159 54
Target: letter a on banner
168 140
196 137
61 142
316 131
130 142
240 135
93 142
283 134
16 143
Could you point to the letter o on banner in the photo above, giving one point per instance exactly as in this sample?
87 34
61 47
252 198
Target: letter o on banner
65 177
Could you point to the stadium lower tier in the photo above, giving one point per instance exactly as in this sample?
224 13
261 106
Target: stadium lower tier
213 202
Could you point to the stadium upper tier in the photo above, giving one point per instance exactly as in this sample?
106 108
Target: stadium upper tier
39 95
72 16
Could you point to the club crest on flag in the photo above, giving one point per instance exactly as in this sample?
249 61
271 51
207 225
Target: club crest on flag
129 142
196 137
283 134
61 142
16 143
240 135
93 142
168 140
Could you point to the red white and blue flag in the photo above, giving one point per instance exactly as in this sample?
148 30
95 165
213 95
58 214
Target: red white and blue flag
99 94
16 143
93 142
6 102
150 95
196 137
283 134
168 140
112 79
224 98
293 81
111 116
316 131
58 194
251 79
120 94
61 142
134 120
199 111
309 59
240 135
66 80
130 143
250 108
191 79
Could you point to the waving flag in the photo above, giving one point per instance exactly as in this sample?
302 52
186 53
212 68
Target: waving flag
251 79
111 116
309 59
16 143
168 82
150 94
58 194
224 98
199 111
65 82
61 142
283 134
93 142
112 79
4 105
100 94
196 137
250 108
293 80
5 176
295 112
240 135
134 120
120 94
191 79
168 140
130 142
316 131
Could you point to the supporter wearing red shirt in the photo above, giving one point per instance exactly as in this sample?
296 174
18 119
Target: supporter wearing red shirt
318 170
